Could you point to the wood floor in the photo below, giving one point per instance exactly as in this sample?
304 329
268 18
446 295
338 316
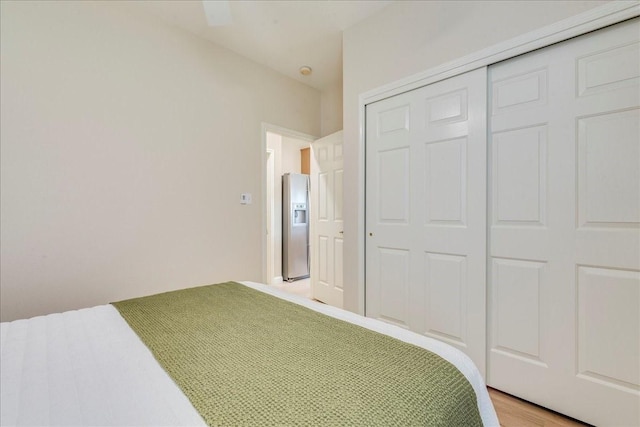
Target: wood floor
514 412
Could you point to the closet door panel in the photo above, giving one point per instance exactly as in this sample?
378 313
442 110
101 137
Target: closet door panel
426 211
445 182
389 207
452 203
564 230
519 176
517 287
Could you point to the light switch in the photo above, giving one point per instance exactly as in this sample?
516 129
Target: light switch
245 198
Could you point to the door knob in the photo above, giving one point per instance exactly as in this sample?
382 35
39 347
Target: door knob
371 234
341 232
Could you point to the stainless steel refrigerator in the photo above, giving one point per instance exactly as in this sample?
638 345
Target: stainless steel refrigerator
295 226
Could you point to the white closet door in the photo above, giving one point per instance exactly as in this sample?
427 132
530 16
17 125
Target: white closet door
426 211
564 236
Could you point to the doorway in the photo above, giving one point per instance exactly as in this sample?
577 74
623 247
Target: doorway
281 154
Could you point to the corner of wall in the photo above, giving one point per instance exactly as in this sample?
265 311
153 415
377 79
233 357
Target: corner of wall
331 109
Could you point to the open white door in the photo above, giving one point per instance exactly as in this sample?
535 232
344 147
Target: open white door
326 219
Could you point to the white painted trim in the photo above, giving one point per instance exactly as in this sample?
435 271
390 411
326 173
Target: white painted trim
591 20
270 211
267 127
277 280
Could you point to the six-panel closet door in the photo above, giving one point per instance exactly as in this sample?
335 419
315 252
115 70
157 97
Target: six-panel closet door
539 225
426 211
564 217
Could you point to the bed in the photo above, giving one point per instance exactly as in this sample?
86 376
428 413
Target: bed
250 355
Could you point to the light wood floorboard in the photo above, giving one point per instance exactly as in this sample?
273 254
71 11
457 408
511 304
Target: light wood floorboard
514 412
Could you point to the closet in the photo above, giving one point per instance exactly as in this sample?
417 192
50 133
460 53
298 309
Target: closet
503 217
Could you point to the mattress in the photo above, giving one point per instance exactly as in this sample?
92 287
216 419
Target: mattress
88 367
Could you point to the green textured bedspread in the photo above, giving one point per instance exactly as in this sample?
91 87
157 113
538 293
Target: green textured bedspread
247 358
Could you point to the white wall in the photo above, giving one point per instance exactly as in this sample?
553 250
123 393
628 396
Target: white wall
331 109
291 156
403 39
125 145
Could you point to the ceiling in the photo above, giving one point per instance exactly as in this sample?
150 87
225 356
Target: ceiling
283 35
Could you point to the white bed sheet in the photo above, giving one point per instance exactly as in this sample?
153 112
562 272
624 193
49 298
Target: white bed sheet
89 368
85 368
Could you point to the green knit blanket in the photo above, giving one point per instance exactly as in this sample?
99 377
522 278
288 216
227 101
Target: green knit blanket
243 357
